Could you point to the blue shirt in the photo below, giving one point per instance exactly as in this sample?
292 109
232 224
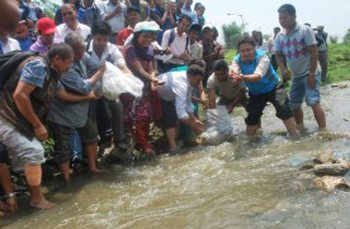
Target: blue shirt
89 16
34 72
74 80
269 79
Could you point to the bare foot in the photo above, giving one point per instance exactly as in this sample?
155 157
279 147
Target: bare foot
150 152
95 172
3 207
43 204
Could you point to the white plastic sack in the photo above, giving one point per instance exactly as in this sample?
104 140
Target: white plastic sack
115 82
219 126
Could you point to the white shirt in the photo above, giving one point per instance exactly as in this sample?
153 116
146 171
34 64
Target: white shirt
178 88
111 54
117 22
10 45
62 31
177 47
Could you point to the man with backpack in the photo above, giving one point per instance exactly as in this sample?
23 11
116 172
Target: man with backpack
27 87
321 38
178 41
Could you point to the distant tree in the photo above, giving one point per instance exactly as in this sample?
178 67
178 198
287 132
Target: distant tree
49 7
346 39
266 37
333 39
232 33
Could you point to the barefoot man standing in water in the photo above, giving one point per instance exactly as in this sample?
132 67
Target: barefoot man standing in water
298 44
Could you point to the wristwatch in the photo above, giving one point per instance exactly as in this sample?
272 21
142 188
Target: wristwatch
11 195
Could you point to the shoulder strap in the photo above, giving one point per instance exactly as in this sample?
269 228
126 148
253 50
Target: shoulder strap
187 43
88 42
171 37
10 62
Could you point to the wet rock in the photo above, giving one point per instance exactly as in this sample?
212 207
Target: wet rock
332 136
330 169
343 162
306 168
330 183
324 157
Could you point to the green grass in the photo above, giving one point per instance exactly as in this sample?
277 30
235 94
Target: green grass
338 61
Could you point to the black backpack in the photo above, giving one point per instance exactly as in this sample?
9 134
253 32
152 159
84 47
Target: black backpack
9 62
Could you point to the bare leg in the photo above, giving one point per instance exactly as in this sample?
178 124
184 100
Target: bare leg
291 127
64 168
299 119
5 178
171 136
319 116
33 175
91 152
251 130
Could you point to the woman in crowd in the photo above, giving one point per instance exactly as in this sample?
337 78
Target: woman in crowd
253 67
140 60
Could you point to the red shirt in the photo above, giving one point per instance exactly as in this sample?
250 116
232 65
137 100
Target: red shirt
123 35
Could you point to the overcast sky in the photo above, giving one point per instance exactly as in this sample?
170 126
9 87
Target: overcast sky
262 15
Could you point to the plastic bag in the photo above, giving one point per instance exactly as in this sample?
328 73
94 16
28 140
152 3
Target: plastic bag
219 126
115 82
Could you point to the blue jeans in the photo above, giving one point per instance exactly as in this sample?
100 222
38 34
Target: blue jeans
300 89
75 145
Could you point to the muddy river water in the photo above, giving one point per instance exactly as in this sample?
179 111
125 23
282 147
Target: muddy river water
238 184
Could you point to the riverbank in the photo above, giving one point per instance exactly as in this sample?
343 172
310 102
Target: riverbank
237 184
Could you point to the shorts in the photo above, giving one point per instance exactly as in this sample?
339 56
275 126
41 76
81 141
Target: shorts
21 149
256 104
300 89
169 118
61 134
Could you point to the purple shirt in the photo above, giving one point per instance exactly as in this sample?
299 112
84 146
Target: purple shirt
38 46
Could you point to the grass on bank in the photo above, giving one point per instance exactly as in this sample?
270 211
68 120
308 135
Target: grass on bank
338 61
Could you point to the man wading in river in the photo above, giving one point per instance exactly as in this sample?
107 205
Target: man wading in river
298 44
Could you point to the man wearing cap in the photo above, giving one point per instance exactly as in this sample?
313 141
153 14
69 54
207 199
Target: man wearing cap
297 42
46 28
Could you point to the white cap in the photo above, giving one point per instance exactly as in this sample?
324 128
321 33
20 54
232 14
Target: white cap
208 26
147 26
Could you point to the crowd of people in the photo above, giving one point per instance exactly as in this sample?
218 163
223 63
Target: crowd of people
169 47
